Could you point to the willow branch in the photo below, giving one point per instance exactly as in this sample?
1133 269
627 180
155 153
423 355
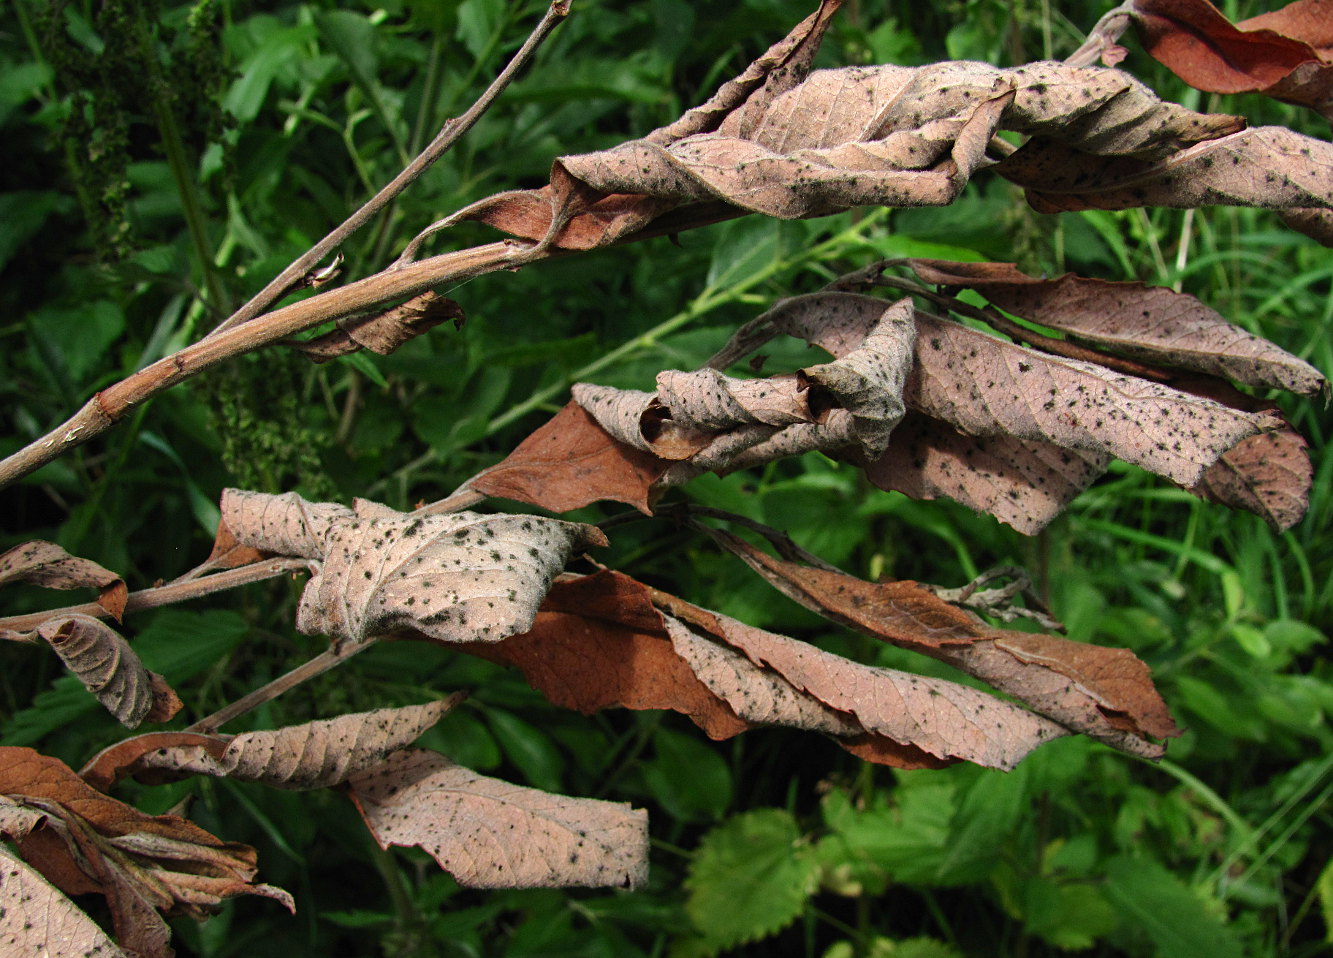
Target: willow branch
452 131
165 594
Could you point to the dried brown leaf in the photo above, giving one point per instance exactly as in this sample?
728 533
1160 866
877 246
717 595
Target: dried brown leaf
1019 481
922 722
463 577
985 386
36 919
491 834
142 864
1286 53
104 662
599 643
48 565
1268 474
1104 693
384 332
316 754
570 462
1150 323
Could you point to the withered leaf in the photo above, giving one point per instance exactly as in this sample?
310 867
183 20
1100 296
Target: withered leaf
1022 482
570 462
48 565
1285 53
110 669
1151 323
384 332
463 577
1104 693
1268 474
36 919
316 754
919 718
985 386
142 864
490 834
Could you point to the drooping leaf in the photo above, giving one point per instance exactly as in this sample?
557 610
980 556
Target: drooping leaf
142 864
1156 903
316 754
906 720
749 878
1105 693
48 565
1019 481
109 668
1268 474
1285 53
384 332
491 834
570 462
462 577
1151 323
36 919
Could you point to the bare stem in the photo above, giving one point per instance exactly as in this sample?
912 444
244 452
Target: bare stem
452 131
266 693
166 594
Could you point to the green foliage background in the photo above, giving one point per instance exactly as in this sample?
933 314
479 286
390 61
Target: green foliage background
163 160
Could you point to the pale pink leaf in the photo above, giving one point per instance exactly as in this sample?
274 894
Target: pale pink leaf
1268 474
491 834
36 919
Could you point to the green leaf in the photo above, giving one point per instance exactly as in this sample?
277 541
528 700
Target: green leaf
909 840
528 748
24 212
691 780
750 878
1070 916
1324 887
1151 899
744 248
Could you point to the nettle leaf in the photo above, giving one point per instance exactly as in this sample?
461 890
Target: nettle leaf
109 668
35 918
316 754
463 577
750 877
491 834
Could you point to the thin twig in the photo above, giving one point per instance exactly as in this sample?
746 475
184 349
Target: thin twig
266 693
452 131
166 594
1102 38
780 541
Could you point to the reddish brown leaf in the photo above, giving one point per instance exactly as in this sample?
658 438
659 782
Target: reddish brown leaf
570 462
36 919
1021 482
143 864
462 577
104 662
1149 323
1286 53
47 565
1102 692
491 834
1268 474
599 643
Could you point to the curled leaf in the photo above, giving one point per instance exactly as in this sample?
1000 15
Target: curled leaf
104 662
1268 474
48 565
36 919
462 577
491 834
316 754
384 332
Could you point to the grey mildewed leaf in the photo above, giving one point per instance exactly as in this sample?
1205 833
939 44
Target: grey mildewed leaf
36 919
110 669
463 577
490 834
